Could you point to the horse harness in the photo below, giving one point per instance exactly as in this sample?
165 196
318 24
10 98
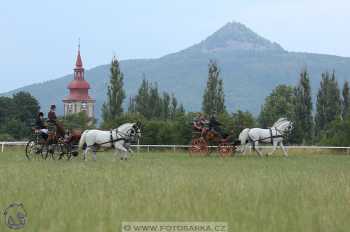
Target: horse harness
112 140
271 136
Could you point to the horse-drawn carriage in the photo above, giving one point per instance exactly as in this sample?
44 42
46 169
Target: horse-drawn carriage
62 144
57 144
204 139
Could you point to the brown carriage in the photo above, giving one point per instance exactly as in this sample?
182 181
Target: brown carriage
59 144
204 139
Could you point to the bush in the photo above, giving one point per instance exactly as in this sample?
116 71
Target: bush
6 137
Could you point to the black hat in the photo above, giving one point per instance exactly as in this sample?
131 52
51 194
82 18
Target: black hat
53 107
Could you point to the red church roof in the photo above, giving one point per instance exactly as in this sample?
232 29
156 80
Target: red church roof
79 84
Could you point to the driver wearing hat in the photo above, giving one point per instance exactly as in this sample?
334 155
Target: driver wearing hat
52 114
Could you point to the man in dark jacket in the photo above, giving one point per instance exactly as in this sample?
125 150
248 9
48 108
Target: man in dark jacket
214 125
40 125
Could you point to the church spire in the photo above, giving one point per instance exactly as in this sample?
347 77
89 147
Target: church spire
79 63
79 99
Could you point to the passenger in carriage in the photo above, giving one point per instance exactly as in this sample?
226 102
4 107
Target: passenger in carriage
40 125
200 123
214 125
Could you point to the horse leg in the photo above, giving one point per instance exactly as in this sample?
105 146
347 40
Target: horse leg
123 151
94 153
130 150
274 143
124 154
243 149
256 143
86 152
283 149
116 151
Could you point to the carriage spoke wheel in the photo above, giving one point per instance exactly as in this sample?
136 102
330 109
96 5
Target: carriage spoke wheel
199 147
57 151
66 152
33 150
225 149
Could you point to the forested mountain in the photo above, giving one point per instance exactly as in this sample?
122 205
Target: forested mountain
251 66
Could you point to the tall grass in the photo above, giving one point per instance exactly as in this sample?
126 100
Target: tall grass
299 193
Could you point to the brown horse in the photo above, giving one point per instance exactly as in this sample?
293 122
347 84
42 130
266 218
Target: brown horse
71 137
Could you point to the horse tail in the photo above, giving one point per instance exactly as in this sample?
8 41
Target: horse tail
82 141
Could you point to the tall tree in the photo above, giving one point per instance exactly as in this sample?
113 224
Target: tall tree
174 104
113 108
328 106
346 100
142 99
303 119
242 120
280 103
132 105
152 105
166 106
214 98
221 108
154 102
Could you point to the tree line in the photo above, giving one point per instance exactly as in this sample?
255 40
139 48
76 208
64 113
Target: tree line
16 116
327 124
166 121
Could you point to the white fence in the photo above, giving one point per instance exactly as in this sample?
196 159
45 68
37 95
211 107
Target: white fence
3 144
175 147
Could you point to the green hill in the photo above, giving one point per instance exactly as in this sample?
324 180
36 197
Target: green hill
251 66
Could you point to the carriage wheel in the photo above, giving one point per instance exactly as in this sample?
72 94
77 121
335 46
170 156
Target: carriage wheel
199 147
45 151
33 150
57 151
67 152
225 149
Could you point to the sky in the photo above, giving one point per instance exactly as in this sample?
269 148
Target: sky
39 39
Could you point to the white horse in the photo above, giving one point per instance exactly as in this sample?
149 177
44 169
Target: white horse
272 135
119 139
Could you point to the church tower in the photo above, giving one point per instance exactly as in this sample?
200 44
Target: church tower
78 99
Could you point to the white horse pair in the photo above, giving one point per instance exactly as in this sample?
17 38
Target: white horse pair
119 139
273 135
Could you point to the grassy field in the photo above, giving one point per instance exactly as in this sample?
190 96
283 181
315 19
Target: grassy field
304 192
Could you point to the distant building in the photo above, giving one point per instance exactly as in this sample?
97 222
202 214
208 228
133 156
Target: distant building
78 99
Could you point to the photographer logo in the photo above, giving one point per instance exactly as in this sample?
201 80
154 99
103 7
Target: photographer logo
15 216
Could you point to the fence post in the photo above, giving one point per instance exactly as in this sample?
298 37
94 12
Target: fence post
147 148
174 147
2 147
